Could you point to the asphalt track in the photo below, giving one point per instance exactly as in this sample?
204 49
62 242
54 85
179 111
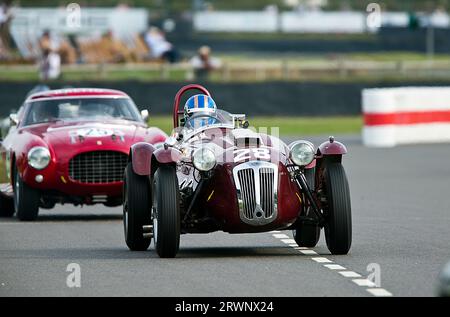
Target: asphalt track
401 225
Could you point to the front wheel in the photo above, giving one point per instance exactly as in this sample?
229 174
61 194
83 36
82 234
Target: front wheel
166 212
306 234
26 199
338 228
136 209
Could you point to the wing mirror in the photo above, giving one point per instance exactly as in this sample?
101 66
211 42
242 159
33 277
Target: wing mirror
145 114
14 119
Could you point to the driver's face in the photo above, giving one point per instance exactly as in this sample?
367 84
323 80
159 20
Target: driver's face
44 114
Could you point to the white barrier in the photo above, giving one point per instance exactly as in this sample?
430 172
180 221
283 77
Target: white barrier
236 21
323 22
394 116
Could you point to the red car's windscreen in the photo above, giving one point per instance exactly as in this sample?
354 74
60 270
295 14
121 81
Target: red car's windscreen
81 109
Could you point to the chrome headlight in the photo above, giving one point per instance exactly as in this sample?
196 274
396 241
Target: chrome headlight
204 159
302 153
39 157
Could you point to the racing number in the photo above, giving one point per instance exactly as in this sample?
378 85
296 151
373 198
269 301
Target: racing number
245 154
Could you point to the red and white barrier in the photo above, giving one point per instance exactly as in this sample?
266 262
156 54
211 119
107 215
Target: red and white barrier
409 115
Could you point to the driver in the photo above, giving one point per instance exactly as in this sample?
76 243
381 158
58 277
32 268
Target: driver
45 113
203 107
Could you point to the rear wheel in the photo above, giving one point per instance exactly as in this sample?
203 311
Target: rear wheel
307 234
136 209
338 228
166 212
26 199
6 207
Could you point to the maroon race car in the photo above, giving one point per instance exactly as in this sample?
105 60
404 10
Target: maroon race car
69 146
222 175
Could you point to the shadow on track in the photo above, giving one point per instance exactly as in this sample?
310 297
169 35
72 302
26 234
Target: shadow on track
184 254
62 218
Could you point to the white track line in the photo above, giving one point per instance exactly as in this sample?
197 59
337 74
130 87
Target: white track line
364 282
379 292
322 260
280 236
288 241
349 274
356 278
308 252
334 267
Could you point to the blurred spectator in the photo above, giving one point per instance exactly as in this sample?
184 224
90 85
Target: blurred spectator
67 52
5 21
159 47
203 63
113 50
50 64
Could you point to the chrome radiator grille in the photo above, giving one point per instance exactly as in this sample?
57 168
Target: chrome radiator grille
266 177
98 167
256 184
248 197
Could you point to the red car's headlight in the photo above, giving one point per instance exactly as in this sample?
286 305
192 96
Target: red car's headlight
39 157
302 153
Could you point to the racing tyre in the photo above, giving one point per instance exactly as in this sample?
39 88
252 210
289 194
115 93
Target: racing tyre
136 209
6 207
166 212
26 199
338 229
307 234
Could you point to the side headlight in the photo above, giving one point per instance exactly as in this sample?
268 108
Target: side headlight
204 159
39 157
302 153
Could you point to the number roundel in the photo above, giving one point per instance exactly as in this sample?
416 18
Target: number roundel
247 154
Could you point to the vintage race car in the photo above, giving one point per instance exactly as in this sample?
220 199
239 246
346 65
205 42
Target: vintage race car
225 176
69 146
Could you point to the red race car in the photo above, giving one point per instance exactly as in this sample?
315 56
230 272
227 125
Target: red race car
215 173
69 146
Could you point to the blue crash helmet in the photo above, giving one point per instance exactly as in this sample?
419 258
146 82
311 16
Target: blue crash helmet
199 105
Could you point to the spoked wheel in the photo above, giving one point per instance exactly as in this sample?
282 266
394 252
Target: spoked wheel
166 212
26 199
136 209
307 234
6 207
338 228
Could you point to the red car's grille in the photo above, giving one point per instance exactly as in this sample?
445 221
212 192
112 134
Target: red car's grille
249 191
98 167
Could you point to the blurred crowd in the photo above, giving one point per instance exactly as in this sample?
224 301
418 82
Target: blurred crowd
5 22
149 47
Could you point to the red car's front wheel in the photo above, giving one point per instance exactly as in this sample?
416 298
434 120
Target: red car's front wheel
26 199
338 228
136 209
307 234
166 212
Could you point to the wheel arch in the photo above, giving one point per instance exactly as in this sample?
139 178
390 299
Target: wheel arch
145 158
